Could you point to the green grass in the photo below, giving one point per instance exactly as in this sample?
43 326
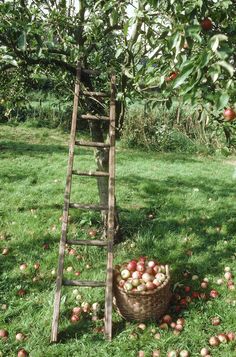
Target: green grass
193 202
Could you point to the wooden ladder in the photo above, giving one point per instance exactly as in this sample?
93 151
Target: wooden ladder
108 243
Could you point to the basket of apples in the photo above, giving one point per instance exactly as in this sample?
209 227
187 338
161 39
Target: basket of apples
141 289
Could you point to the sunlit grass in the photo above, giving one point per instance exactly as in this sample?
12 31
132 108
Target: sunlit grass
192 199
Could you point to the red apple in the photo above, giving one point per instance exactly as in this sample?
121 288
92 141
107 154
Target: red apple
187 289
22 353
151 263
74 319
72 252
21 292
92 232
214 294
131 266
76 310
140 267
229 114
150 285
172 76
172 354
231 336
206 24
77 273
223 338
215 321
156 353
180 321
3 334
214 341
167 319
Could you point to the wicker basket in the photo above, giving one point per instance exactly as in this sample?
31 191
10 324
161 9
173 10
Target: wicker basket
145 305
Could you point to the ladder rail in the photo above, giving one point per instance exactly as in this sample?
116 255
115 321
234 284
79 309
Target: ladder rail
111 215
57 300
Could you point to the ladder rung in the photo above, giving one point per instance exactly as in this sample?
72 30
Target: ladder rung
95 94
83 206
92 144
89 283
94 242
94 117
90 173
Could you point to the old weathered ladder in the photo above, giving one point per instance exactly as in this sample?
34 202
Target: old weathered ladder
108 242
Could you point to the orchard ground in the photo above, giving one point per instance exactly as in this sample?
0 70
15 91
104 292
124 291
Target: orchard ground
192 227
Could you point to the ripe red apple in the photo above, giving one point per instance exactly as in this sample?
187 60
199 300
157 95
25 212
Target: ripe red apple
72 252
150 285
151 263
179 327
156 353
140 267
173 324
206 24
141 354
187 289
92 232
215 321
131 266
214 341
21 292
22 353
77 273
74 319
172 76
214 294
229 114
167 319
231 336
223 338
3 334
76 310
180 321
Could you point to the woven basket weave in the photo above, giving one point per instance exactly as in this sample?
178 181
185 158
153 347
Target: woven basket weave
145 305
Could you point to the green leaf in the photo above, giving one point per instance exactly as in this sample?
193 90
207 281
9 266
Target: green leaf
222 101
21 43
204 59
184 75
118 52
227 66
215 41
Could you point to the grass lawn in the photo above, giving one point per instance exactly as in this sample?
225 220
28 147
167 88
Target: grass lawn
192 199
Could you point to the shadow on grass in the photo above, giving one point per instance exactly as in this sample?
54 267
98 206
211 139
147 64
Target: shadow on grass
174 219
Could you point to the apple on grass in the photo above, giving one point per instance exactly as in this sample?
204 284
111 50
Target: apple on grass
229 114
